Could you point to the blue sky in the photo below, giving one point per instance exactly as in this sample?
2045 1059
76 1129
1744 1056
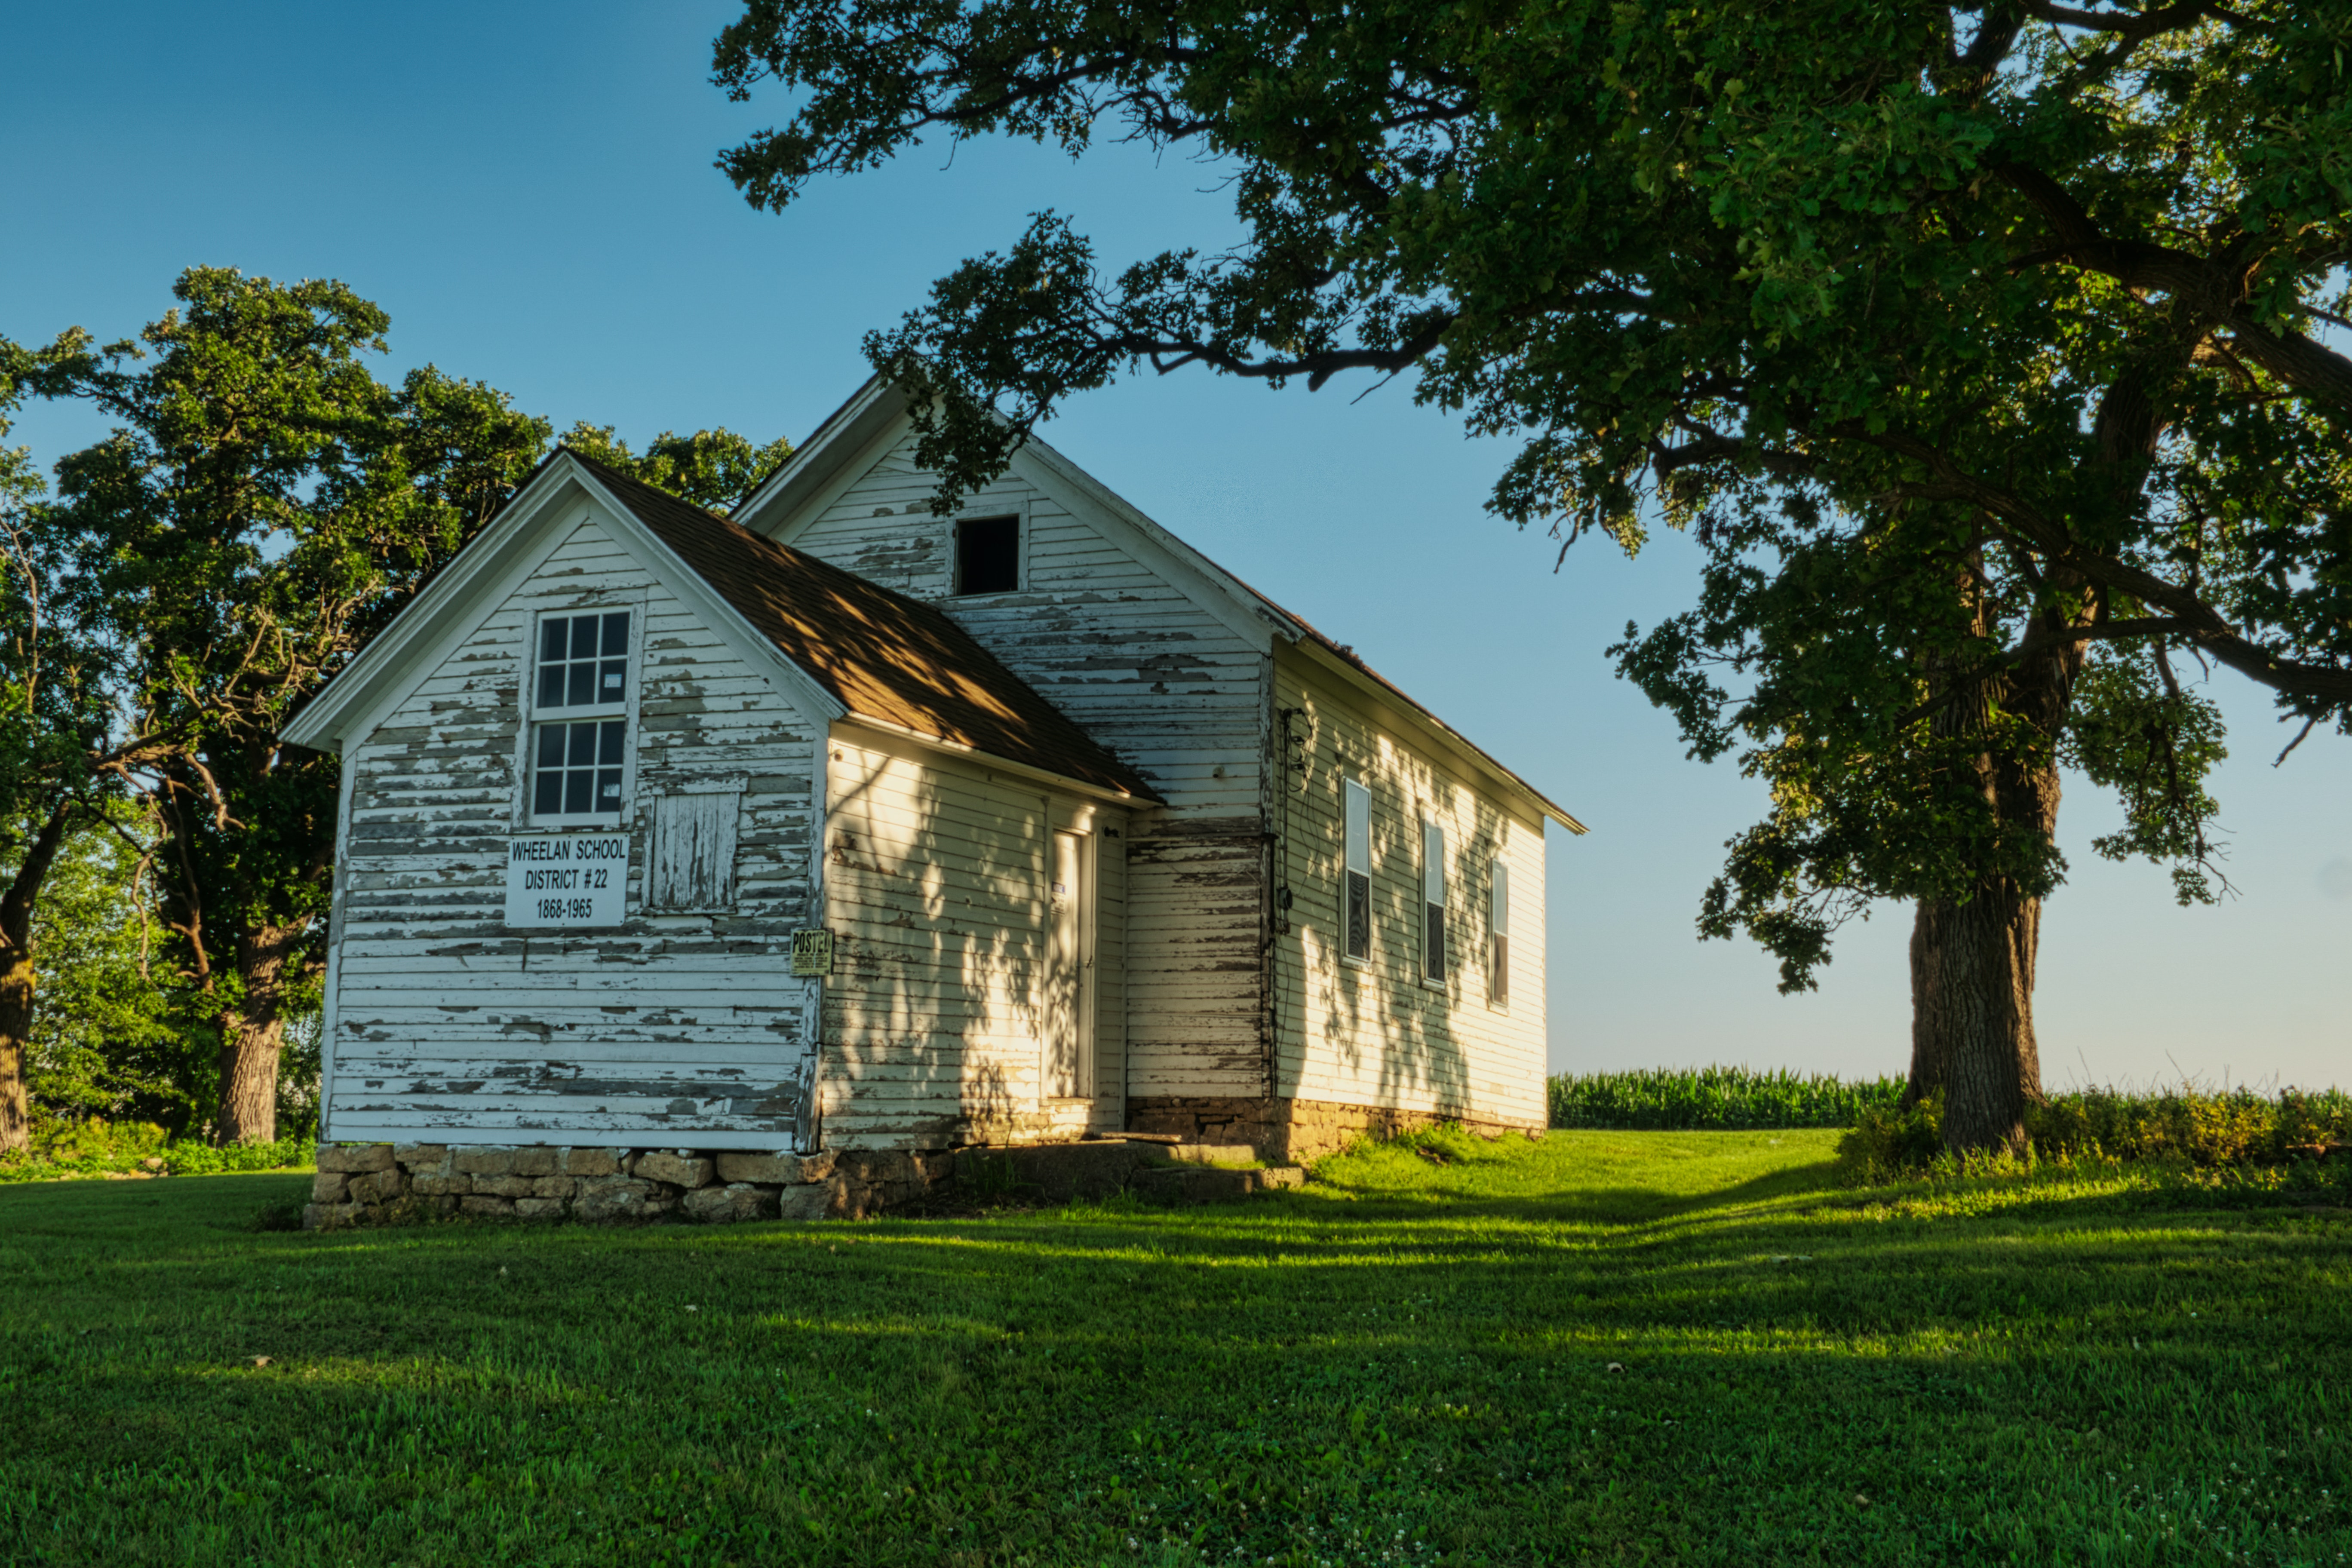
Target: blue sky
527 189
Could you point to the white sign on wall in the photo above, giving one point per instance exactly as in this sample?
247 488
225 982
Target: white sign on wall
559 880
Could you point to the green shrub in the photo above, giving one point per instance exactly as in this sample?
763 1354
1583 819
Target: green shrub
95 1148
1715 1098
1895 1139
2235 1127
2233 1130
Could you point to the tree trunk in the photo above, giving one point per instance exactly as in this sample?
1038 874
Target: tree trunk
16 976
1930 1046
1972 959
15 1029
1972 1014
252 1032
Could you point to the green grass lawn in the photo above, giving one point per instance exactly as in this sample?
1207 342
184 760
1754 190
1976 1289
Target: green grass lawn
1658 1347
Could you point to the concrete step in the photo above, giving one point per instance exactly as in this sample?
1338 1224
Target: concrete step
1181 1184
1213 1153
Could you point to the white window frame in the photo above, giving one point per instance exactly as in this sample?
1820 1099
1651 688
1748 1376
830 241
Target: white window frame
625 712
1350 791
1020 516
1437 958
1498 933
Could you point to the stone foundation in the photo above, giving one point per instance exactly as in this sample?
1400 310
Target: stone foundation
1297 1130
383 1183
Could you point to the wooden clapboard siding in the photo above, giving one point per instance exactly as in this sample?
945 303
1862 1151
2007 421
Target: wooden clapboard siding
1111 940
1174 692
936 884
1375 1034
679 1028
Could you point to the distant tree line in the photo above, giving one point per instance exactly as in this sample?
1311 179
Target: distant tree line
261 505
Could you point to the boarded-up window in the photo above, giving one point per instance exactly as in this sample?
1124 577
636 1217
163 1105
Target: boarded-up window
1433 903
1356 897
1498 959
690 853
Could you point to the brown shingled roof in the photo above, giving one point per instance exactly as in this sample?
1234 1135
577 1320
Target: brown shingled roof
880 653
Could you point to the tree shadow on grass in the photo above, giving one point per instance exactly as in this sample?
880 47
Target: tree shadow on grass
1275 1380
1591 1205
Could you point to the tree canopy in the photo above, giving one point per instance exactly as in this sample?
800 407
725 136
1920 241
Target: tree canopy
712 468
1983 350
71 734
263 506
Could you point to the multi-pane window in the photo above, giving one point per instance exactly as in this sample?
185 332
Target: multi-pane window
577 772
1498 928
1433 903
1356 895
584 660
583 680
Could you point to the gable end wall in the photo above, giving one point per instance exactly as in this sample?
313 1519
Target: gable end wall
1175 693
683 1030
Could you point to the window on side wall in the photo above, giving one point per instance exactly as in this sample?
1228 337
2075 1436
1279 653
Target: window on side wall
988 555
1433 904
580 717
1499 928
1356 882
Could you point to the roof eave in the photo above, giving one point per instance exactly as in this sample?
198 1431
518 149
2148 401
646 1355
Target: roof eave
682 578
842 435
1365 679
1137 796
324 720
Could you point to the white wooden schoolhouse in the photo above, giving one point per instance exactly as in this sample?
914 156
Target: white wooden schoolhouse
837 823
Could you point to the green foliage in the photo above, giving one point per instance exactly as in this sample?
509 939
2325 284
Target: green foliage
1606 1347
1979 349
55 698
71 730
712 468
2137 731
2232 1127
2186 1127
262 507
64 1150
104 1043
1713 1097
1891 1142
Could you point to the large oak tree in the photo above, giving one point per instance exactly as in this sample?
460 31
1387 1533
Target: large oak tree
71 734
1982 349
263 505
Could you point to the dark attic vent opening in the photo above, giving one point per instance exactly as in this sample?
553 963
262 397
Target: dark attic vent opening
988 555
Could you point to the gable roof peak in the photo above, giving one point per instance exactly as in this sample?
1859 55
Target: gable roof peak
881 655
878 405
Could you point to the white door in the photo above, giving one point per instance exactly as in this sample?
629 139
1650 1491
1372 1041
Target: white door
1069 1050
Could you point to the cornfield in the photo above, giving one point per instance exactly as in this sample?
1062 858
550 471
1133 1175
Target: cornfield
1715 1098
2192 1126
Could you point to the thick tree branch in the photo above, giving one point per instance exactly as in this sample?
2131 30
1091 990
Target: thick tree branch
1167 355
2200 626
2213 291
2138 25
